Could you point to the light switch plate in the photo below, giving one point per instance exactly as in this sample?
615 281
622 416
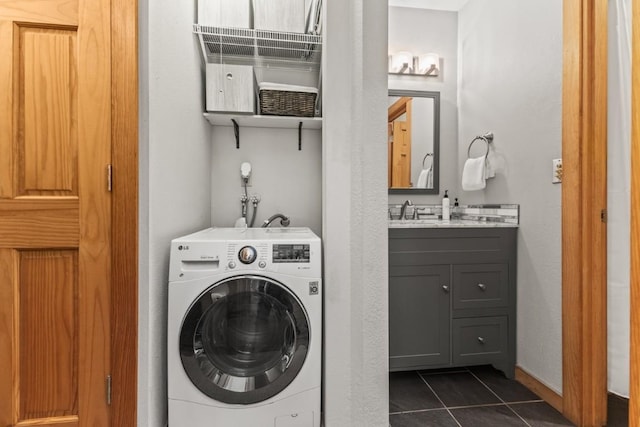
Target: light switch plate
557 171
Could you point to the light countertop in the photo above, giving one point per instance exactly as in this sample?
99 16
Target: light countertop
454 223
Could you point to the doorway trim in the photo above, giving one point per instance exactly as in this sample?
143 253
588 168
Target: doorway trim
124 266
634 375
584 201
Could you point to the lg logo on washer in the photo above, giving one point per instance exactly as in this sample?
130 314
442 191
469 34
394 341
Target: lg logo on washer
183 248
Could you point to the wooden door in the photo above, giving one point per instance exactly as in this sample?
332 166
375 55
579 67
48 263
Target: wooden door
399 119
390 152
634 380
55 144
401 155
584 228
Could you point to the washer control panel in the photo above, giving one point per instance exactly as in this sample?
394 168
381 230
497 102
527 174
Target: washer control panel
290 253
247 254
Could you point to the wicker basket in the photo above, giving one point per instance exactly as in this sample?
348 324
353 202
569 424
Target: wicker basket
279 102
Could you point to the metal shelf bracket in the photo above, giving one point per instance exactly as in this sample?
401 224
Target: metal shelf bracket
236 132
300 136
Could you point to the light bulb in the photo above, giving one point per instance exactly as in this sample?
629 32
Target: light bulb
429 64
402 62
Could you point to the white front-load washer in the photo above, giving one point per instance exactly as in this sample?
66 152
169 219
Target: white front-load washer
245 328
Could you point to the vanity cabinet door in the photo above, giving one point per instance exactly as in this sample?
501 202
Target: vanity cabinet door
419 316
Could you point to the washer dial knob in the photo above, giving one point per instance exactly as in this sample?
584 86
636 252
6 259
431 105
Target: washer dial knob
247 255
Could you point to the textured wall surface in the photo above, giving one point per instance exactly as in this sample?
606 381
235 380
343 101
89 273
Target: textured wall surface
619 140
511 84
175 193
422 135
354 215
288 181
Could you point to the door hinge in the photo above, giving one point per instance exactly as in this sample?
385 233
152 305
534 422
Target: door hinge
603 215
109 177
108 382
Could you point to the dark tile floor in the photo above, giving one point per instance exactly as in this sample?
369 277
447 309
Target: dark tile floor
475 397
617 411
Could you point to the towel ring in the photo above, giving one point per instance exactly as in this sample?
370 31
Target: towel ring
425 158
487 138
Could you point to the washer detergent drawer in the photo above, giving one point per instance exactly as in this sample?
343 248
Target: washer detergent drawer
300 419
478 340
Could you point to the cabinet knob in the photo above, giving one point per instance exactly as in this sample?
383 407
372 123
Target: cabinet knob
482 287
481 340
445 288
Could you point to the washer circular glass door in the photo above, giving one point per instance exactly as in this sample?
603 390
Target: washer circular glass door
244 339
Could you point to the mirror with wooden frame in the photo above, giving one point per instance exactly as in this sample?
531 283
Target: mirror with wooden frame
413 129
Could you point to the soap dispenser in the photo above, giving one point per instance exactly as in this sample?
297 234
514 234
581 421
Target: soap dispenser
446 212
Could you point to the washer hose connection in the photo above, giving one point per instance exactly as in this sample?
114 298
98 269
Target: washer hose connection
284 220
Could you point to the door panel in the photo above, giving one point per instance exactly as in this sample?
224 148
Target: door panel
401 174
55 144
419 312
47 137
48 333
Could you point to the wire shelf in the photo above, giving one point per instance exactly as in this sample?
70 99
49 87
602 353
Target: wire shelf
220 43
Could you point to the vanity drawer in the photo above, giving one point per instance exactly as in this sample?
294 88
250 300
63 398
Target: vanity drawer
480 286
479 340
429 246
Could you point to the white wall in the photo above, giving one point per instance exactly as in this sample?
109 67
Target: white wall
619 146
288 181
175 193
421 135
354 215
424 31
511 84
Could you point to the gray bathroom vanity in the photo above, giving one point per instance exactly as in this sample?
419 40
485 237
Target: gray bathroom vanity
452 295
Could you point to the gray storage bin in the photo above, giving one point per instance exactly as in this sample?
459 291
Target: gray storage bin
225 13
230 88
279 15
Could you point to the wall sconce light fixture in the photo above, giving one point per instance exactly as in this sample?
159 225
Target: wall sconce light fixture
407 63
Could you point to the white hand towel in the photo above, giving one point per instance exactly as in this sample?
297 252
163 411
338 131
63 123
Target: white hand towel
489 171
422 179
473 174
430 177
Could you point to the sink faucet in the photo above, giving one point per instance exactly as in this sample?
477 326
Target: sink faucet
403 210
